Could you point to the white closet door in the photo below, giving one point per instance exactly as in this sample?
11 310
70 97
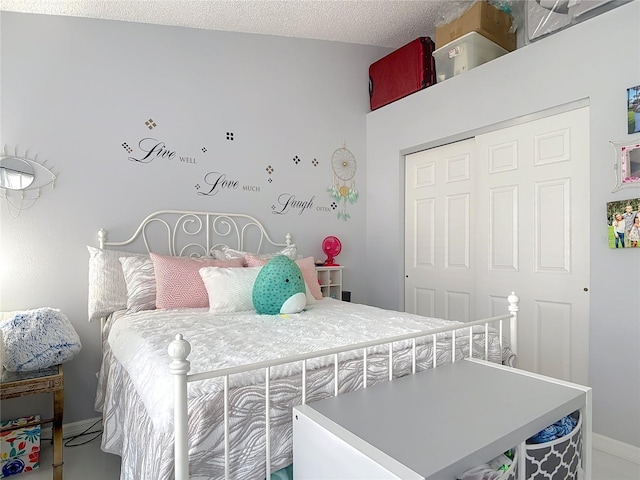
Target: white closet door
439 230
507 211
533 237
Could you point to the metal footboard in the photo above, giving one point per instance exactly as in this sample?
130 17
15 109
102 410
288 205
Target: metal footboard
180 348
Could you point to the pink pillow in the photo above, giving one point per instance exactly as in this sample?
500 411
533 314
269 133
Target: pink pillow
178 280
307 267
253 261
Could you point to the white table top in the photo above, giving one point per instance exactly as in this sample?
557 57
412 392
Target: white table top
480 409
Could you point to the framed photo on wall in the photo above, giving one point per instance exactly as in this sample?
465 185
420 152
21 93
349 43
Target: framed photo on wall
623 223
627 163
633 109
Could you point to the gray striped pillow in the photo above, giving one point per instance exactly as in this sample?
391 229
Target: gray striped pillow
107 287
141 283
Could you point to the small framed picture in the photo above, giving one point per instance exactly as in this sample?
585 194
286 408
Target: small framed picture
627 163
623 223
633 109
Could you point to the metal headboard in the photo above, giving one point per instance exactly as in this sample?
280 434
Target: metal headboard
191 233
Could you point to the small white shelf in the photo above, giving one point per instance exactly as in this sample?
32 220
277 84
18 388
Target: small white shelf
330 280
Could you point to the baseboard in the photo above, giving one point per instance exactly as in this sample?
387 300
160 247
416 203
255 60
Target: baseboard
599 442
616 448
76 428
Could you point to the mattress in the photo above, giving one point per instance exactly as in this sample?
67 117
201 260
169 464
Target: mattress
135 387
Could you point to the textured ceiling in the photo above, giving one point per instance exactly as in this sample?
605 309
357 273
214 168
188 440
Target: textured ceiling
386 23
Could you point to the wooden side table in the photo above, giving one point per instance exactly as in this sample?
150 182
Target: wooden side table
50 380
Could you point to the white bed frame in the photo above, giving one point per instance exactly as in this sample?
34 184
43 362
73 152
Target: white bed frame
192 233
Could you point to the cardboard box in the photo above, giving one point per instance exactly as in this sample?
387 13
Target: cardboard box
483 18
20 446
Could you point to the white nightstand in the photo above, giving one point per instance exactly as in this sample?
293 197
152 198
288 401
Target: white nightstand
330 280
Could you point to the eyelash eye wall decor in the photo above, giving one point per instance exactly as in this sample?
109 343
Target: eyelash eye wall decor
22 180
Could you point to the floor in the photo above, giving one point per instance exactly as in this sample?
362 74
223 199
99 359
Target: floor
89 462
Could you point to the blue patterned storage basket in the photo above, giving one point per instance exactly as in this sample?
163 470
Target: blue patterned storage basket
559 459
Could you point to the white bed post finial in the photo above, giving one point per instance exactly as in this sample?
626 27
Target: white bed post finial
102 238
288 239
179 350
514 308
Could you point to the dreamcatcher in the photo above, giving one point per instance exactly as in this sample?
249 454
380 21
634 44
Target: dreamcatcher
343 189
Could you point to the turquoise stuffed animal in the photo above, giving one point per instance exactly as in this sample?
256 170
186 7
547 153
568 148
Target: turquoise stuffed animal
279 287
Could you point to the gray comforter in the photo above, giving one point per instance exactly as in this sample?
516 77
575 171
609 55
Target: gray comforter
135 387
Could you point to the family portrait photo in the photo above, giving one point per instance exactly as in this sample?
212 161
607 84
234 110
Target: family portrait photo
623 223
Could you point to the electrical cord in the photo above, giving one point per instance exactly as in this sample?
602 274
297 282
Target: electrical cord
86 431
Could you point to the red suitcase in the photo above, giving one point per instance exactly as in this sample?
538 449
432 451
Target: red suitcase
402 72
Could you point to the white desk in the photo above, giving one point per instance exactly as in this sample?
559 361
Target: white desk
432 425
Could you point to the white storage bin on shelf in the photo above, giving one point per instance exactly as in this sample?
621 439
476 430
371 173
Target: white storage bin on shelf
488 470
558 459
465 53
512 472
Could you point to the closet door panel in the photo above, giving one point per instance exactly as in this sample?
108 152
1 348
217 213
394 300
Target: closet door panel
553 213
439 228
553 326
532 226
503 228
425 243
424 301
457 234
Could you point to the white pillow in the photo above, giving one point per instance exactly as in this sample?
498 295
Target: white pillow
290 251
107 286
230 289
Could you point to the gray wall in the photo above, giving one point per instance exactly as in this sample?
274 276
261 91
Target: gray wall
74 90
595 61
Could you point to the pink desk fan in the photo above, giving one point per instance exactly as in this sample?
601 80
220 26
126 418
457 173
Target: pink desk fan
331 246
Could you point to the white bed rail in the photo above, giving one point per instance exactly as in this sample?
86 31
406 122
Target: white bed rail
180 348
